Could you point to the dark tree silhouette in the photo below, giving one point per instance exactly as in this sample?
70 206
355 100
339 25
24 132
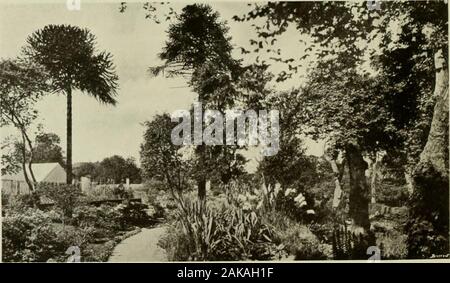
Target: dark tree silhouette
69 55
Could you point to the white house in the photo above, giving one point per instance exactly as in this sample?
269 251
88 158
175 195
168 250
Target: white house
43 172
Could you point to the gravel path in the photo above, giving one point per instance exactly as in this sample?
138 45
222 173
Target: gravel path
141 247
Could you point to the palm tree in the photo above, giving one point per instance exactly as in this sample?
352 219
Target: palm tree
69 55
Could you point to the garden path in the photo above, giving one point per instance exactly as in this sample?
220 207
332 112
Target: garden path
141 247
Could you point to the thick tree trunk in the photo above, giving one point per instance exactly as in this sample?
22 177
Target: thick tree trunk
359 189
436 149
373 182
331 155
338 173
428 226
69 137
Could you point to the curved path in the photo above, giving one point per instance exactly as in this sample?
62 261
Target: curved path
141 247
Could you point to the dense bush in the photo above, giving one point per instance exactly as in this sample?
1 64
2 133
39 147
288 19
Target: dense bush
104 192
392 195
28 236
35 233
392 245
106 219
298 239
159 200
20 202
174 243
64 197
428 221
133 214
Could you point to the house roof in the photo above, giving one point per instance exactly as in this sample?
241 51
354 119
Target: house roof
50 172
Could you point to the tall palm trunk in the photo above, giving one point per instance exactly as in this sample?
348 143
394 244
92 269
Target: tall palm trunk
69 137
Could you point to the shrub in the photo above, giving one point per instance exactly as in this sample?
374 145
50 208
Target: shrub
105 219
28 236
175 243
392 195
101 192
428 221
245 237
159 200
298 239
323 231
392 245
132 213
65 197
70 236
20 202
98 252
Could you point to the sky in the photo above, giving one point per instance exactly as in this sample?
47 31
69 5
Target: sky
100 130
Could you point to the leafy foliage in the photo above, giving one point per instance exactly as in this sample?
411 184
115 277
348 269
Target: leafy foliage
162 160
65 197
349 245
68 54
47 149
117 169
428 224
22 84
225 234
197 38
133 213
28 236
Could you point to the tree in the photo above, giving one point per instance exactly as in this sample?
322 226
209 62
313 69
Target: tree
69 56
162 160
198 47
288 165
350 111
118 169
47 150
337 28
87 169
21 85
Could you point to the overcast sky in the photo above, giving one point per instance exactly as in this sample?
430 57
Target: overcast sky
99 130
